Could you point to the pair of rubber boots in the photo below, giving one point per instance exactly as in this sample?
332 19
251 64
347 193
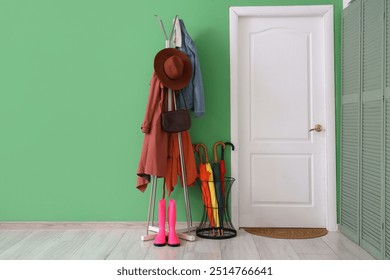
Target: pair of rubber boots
161 238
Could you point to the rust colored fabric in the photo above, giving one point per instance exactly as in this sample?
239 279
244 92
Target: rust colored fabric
173 67
154 155
174 167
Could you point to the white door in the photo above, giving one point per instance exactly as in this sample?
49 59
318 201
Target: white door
281 85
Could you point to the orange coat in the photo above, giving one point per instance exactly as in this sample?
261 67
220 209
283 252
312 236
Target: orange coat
154 155
160 150
174 167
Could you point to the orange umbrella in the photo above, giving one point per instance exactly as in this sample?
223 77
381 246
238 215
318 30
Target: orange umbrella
204 177
213 196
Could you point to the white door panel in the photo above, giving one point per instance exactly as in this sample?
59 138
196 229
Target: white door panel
281 95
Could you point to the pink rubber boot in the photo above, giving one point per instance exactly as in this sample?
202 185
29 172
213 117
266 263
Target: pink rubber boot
173 240
160 239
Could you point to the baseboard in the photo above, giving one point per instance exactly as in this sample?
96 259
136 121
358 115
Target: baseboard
78 225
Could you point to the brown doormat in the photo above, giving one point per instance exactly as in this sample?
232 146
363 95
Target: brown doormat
288 233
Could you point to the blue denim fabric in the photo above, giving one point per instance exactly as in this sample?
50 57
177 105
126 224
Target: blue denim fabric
194 92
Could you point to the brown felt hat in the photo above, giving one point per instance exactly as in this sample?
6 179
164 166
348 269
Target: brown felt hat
173 68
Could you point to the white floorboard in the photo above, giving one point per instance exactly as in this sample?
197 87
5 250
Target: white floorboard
318 257
66 246
130 246
275 249
9 238
310 246
345 249
205 249
33 246
123 242
241 247
99 245
166 252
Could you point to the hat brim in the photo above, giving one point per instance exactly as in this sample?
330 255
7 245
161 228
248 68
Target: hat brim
183 80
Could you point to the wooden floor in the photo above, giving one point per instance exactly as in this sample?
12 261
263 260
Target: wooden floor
123 242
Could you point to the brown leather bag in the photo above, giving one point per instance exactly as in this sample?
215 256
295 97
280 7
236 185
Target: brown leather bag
176 121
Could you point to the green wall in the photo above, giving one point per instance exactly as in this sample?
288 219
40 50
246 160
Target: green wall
74 79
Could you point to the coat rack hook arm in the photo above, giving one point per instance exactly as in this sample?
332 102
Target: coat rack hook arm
162 27
173 28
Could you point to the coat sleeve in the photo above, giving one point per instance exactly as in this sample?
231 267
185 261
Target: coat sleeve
199 106
154 91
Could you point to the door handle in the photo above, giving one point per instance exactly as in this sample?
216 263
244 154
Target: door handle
317 128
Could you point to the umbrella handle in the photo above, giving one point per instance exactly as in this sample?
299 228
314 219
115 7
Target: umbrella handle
230 144
196 149
215 149
204 151
223 151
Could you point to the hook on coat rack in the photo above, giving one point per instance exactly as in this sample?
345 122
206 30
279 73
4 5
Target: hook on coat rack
167 40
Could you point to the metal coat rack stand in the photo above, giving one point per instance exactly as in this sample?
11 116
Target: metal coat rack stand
184 233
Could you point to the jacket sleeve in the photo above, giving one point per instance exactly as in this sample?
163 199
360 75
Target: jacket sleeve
199 106
153 100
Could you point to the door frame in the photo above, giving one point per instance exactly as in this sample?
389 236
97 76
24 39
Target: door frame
326 12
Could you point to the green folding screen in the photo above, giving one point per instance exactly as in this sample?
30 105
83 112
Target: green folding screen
365 195
387 131
372 126
350 121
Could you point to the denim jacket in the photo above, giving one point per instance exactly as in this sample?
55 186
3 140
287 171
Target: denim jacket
194 92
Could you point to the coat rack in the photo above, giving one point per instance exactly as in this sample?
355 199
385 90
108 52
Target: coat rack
181 233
